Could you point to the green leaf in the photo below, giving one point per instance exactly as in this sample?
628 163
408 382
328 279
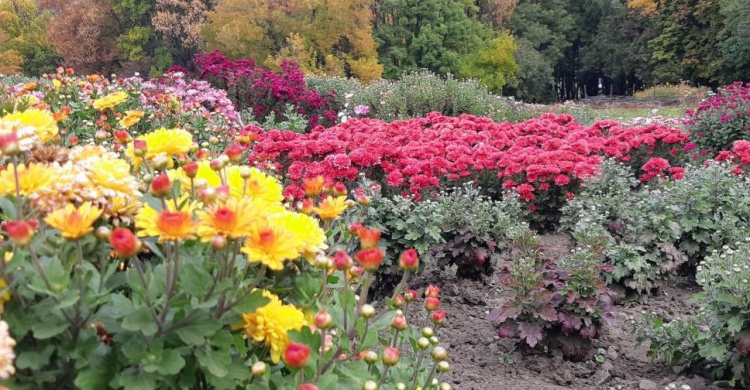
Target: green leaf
211 362
95 377
734 324
141 320
195 279
171 362
251 302
48 328
8 208
196 331
138 381
34 359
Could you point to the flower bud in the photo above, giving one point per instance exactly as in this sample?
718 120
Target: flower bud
103 233
19 231
160 186
323 320
443 366
223 192
398 302
308 386
399 322
9 144
258 368
400 386
216 164
218 242
354 274
160 162
370 385
390 356
367 311
370 259
432 291
342 261
409 260
191 169
122 137
124 242
213 140
439 354
101 135
313 186
434 340
207 195
307 206
431 303
140 147
371 357
368 238
438 317
202 154
350 203
296 355
73 140
445 386
234 153
410 295
363 199
427 332
339 189
355 228
245 172
423 343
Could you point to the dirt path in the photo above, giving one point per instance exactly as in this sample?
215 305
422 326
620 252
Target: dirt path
480 360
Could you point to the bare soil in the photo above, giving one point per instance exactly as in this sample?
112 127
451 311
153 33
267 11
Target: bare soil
481 360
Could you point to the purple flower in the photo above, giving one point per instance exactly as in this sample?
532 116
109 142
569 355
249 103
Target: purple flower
361 110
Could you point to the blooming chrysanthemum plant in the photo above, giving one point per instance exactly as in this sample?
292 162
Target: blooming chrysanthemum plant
150 263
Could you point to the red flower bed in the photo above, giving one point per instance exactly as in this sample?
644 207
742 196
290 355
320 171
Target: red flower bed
540 156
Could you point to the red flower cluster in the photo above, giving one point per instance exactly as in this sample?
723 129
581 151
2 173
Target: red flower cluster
530 157
265 91
659 167
739 156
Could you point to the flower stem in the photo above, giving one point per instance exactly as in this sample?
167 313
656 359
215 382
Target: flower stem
432 374
416 369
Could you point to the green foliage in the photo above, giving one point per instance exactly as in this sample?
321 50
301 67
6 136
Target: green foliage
718 337
457 227
534 81
433 35
650 232
290 120
40 59
493 64
735 44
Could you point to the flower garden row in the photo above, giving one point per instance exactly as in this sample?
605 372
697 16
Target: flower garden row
152 238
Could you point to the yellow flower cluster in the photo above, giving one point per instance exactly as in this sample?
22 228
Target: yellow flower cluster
31 126
131 118
271 324
110 101
166 143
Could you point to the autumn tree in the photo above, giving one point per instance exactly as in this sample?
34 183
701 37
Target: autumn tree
178 23
23 43
326 36
82 31
493 64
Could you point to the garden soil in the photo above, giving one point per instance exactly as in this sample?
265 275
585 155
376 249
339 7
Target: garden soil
480 360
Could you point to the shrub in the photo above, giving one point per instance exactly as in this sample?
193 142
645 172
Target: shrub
553 301
653 231
723 119
265 91
718 337
457 226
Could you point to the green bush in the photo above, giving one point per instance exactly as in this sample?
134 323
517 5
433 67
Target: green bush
652 231
718 337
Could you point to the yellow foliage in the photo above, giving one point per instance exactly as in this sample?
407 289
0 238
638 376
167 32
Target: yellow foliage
645 7
10 62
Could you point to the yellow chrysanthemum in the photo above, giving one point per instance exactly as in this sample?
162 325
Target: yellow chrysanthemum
110 101
331 208
232 218
31 178
273 240
169 224
313 238
131 118
89 152
112 177
271 324
122 208
74 222
43 122
169 142
258 186
26 135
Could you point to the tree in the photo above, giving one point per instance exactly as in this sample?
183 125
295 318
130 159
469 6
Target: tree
735 44
430 34
328 36
82 31
534 81
23 43
178 23
493 64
